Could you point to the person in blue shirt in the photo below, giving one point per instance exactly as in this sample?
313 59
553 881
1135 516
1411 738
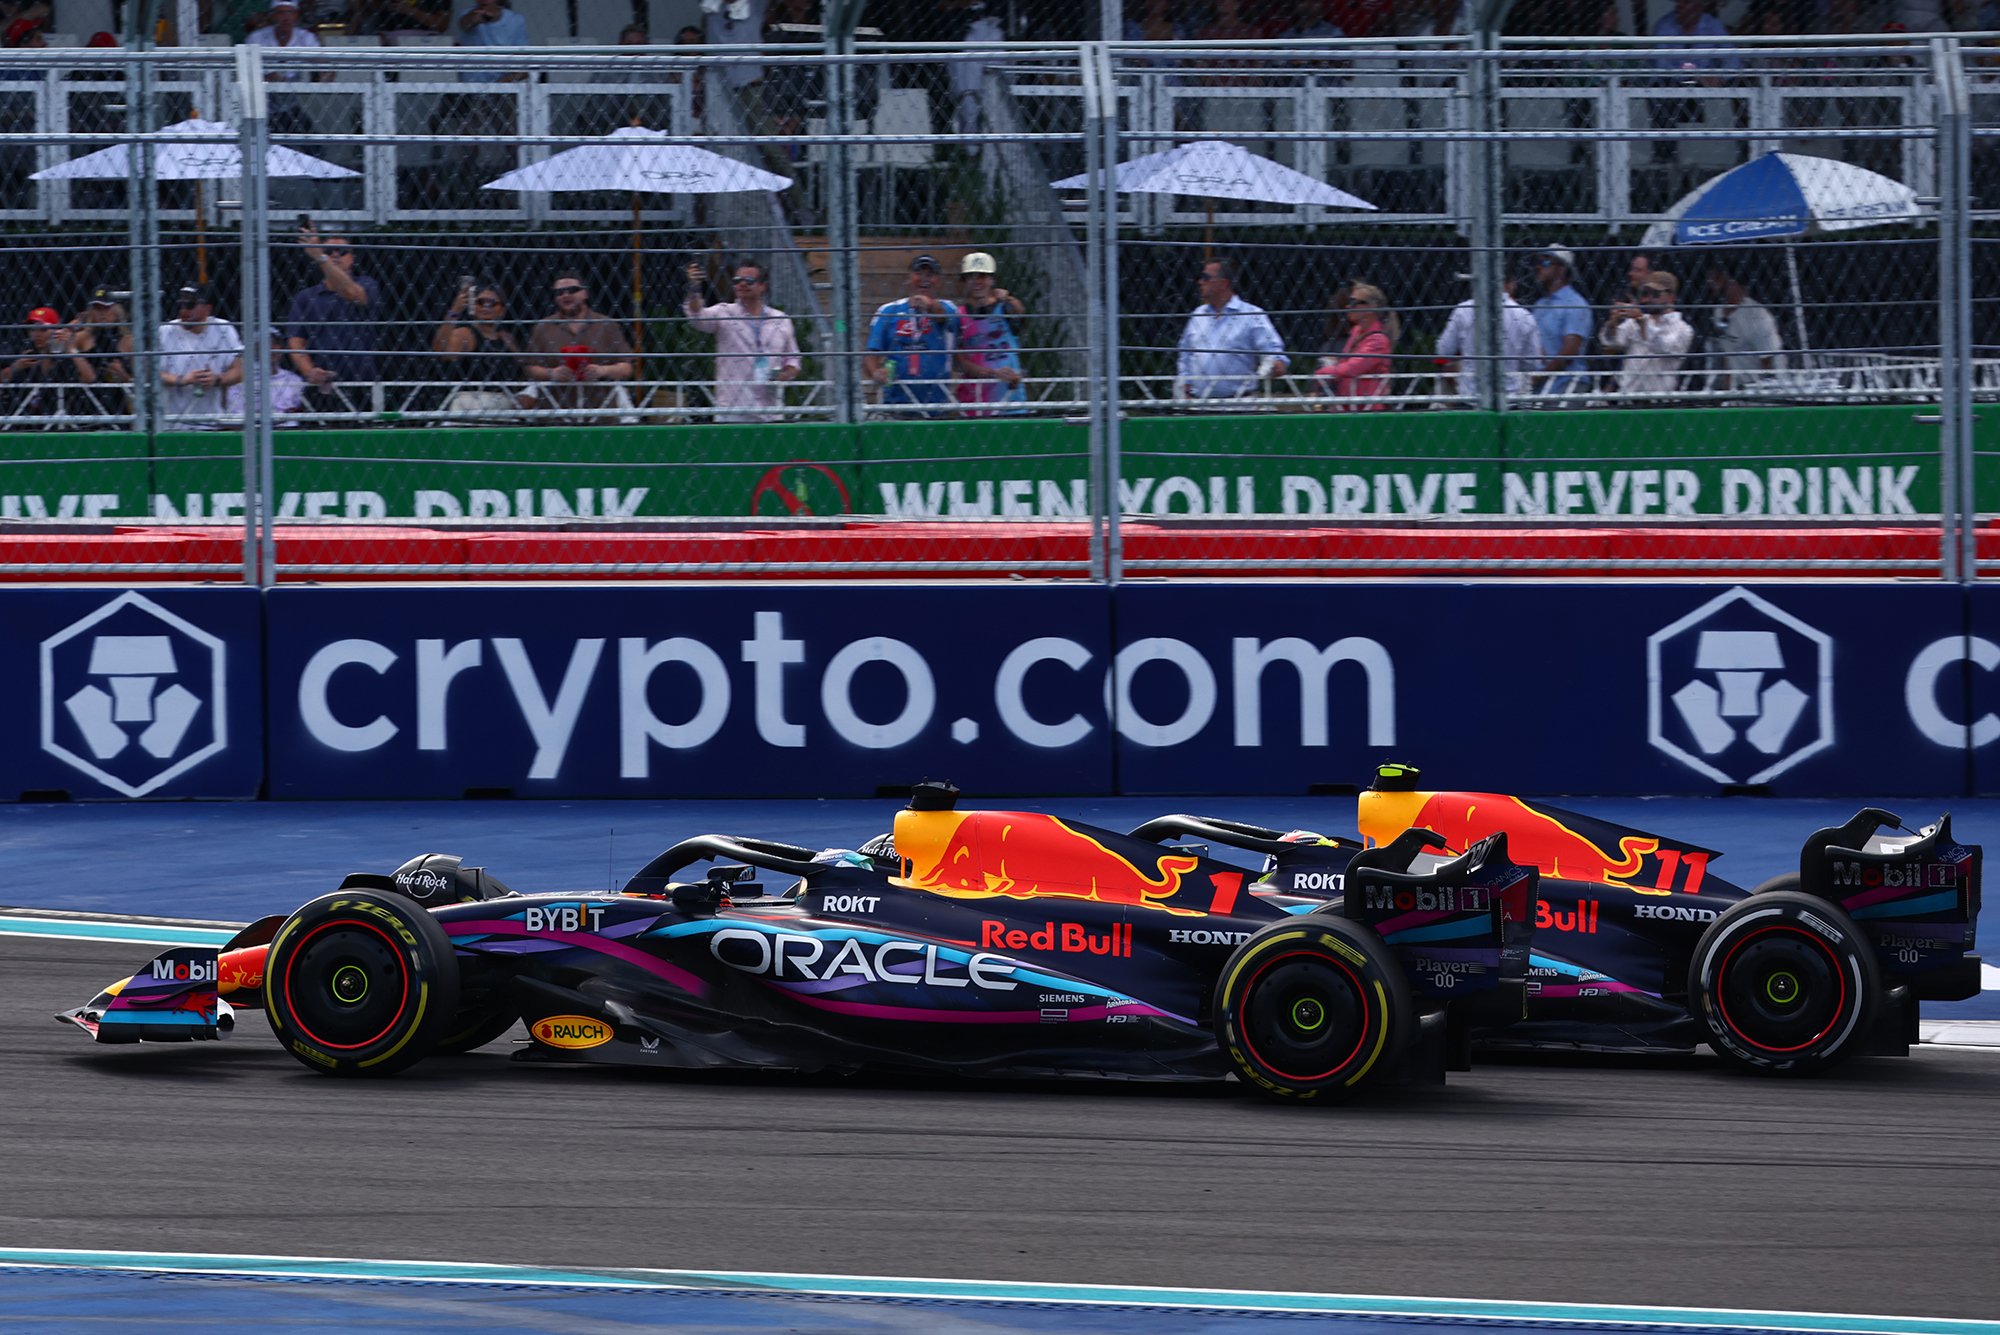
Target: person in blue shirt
1690 18
1228 346
1563 318
911 342
491 23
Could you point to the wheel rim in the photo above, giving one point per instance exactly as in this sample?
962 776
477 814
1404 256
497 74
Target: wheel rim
1781 989
1304 1017
346 985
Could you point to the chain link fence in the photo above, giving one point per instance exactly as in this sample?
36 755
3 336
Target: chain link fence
1609 305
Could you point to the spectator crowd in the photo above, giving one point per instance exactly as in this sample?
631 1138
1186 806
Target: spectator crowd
949 347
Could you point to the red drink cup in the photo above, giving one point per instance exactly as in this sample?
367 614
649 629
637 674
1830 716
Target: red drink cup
576 362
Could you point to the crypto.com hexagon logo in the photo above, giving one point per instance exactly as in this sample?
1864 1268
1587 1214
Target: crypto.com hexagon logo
1739 683
102 693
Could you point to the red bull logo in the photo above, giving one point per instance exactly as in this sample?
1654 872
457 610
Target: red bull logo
241 969
1024 855
1071 937
1534 837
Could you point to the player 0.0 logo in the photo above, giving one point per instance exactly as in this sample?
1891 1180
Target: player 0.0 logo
133 695
1739 690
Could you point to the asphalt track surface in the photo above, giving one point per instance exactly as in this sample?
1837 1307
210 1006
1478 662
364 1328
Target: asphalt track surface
1873 1189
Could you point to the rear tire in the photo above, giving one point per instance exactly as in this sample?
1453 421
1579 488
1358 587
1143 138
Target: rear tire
1784 984
1313 1009
1788 880
360 982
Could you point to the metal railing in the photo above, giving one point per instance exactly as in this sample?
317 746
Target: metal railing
1473 157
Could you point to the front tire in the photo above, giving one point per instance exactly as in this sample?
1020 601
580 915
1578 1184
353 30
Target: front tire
1313 1009
360 982
1784 984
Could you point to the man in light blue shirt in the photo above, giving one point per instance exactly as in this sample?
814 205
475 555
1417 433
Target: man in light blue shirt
1690 18
1563 318
491 23
1228 345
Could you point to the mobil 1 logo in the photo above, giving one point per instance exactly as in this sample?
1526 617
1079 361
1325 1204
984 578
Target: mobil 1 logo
133 695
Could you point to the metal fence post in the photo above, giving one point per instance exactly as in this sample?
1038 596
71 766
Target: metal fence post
1100 157
253 137
1959 499
1489 260
142 195
843 227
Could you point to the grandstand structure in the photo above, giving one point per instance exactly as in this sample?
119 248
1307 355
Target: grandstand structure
1843 443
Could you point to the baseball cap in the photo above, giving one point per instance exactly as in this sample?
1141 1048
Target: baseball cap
923 262
1563 257
44 315
978 262
20 30
284 4
101 296
1662 281
102 39
200 293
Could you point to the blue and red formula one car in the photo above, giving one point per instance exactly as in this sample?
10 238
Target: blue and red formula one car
1006 943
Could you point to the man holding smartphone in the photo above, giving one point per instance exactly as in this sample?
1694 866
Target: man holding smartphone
330 328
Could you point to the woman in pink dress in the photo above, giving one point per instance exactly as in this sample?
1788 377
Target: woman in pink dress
1360 367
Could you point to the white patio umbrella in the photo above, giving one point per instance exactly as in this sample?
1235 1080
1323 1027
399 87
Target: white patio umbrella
635 158
1216 170
192 162
1783 195
642 161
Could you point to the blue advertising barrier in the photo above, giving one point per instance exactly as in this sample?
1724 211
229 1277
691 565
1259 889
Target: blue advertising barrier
676 691
111 694
838 690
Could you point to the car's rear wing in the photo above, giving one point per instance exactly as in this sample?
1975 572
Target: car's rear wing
1460 926
1917 898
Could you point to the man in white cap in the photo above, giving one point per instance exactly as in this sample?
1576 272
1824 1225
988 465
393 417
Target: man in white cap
989 341
283 30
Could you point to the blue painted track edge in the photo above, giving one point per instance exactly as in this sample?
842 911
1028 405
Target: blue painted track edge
892 1288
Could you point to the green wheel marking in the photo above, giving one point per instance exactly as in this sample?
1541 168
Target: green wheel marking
350 984
1782 988
1308 1014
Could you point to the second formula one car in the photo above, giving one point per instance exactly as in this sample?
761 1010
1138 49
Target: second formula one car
1018 944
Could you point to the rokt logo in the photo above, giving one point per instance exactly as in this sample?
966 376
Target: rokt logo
101 693
1739 683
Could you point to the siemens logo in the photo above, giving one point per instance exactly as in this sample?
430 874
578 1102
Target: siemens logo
1673 913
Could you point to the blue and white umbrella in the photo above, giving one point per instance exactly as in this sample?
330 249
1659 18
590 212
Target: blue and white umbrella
1783 194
